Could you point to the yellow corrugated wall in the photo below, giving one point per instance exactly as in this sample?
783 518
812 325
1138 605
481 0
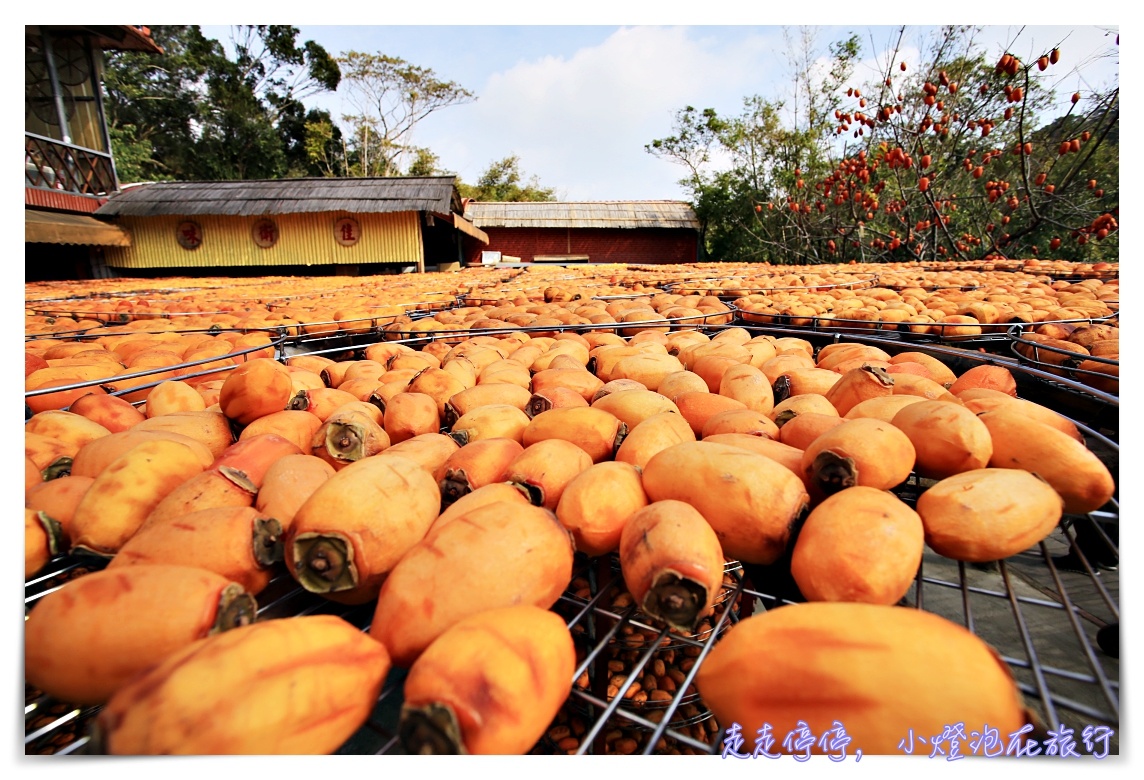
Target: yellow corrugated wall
303 239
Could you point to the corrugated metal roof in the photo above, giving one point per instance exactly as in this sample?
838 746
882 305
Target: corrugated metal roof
584 214
286 196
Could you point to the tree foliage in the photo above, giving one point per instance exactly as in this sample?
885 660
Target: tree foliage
949 161
503 181
389 97
322 145
193 112
152 102
269 60
196 112
424 163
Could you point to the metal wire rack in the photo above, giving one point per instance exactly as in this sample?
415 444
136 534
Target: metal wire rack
687 320
1083 404
929 286
1078 270
408 307
1066 363
931 332
51 295
1042 613
94 333
859 282
277 344
1052 612
118 317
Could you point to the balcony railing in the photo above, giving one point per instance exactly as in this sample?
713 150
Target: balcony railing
54 165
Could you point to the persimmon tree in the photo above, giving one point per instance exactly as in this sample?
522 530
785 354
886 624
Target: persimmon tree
949 161
737 163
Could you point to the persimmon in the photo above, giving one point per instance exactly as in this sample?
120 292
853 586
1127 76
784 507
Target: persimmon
992 377
156 610
889 670
968 517
454 690
861 544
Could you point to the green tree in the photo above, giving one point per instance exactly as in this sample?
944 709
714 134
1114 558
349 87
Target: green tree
390 97
237 139
503 181
954 161
763 156
815 96
696 132
322 146
1097 163
132 154
950 160
281 73
311 141
424 163
152 104
195 113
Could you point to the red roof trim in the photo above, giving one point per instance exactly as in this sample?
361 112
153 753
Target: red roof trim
61 201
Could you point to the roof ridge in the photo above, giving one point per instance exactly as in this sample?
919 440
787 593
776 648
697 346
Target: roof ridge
570 202
246 197
330 179
583 214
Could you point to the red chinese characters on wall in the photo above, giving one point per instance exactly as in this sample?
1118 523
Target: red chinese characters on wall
347 231
189 235
265 233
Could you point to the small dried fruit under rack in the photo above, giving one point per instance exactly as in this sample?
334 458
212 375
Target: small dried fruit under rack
1051 611
1049 620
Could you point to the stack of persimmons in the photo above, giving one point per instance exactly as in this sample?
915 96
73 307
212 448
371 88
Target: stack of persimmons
448 486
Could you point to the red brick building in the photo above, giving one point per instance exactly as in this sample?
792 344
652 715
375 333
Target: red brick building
643 231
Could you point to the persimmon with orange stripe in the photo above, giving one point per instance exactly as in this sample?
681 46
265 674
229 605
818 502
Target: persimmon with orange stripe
523 654
497 555
321 688
70 654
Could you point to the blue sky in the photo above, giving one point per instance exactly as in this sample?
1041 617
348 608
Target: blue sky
578 103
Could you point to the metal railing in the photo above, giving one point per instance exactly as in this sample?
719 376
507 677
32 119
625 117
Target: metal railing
54 165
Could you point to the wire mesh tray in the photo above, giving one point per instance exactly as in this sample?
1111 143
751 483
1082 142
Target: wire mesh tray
682 322
928 332
1059 273
1052 612
1066 363
1043 618
163 372
859 282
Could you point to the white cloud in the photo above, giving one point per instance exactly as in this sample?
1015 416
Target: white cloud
1088 54
576 121
579 119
